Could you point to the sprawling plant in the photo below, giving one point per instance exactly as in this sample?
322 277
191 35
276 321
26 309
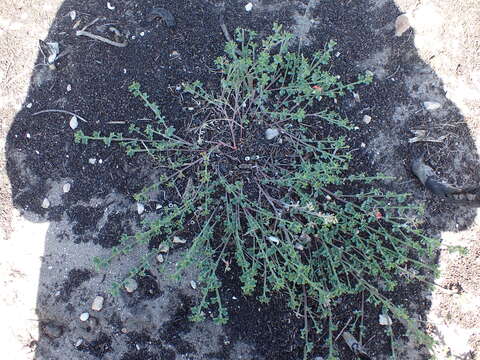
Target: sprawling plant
261 181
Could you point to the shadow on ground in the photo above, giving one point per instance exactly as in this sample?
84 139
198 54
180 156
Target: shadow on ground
87 220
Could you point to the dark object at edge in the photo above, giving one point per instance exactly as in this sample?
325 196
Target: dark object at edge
164 14
427 177
355 346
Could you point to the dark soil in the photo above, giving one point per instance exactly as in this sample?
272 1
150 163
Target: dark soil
100 74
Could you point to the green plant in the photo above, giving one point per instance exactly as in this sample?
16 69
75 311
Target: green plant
289 211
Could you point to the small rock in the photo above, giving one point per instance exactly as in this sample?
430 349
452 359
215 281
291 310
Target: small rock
174 53
158 206
92 161
84 316
271 134
69 88
178 240
52 331
142 33
249 7
367 119
131 285
160 258
140 208
97 304
79 342
73 15
29 105
193 284
66 187
46 203
110 6
432 105
163 248
363 145
124 331
402 24
384 320
274 239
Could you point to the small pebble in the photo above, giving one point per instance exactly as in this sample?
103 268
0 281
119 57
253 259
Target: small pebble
274 239
29 105
69 88
163 248
160 258
249 7
384 320
367 119
73 122
432 105
46 203
178 240
73 15
193 284
110 6
92 161
363 145
247 158
271 134
174 53
28 135
158 206
124 331
131 285
84 316
140 208
79 342
97 303
66 187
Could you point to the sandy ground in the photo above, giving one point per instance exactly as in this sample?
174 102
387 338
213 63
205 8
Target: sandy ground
447 37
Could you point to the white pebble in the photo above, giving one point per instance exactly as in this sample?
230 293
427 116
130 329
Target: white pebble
160 258
66 187
92 161
274 239
163 248
29 105
28 136
178 240
271 134
79 342
110 6
140 208
69 88
142 33
367 119
73 122
432 105
46 203
131 285
384 320
193 284
84 316
97 303
363 145
249 7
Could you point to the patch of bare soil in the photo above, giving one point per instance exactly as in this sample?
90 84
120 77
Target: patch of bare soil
92 81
